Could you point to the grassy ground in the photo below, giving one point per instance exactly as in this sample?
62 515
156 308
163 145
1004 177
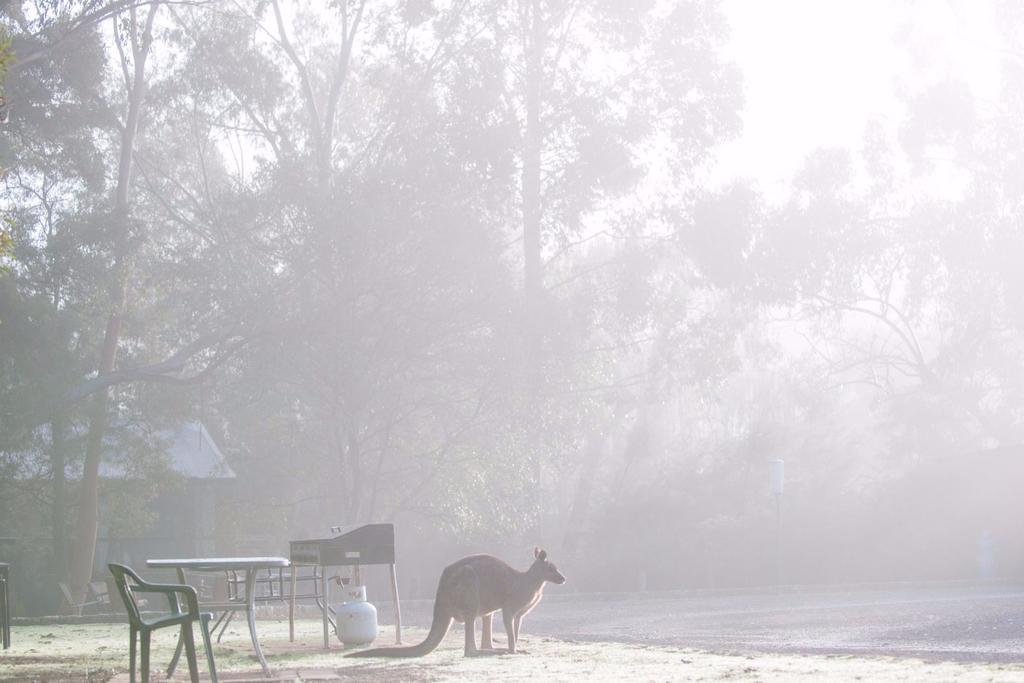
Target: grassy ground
99 652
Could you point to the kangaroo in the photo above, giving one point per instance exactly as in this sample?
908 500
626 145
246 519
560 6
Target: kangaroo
478 586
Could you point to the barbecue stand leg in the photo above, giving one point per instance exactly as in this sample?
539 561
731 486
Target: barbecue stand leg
324 597
398 610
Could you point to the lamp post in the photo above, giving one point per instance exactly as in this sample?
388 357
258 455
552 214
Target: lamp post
777 469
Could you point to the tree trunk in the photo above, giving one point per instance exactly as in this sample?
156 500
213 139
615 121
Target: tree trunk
87 518
58 507
87 524
355 502
579 513
532 267
531 198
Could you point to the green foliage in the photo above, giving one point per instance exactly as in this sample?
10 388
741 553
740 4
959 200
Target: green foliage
6 243
366 256
6 58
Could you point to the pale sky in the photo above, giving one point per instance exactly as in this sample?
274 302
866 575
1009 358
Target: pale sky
816 71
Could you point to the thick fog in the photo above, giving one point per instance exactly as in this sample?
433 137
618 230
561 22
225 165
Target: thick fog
690 294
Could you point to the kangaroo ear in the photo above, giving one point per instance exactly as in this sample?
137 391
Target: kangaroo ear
536 552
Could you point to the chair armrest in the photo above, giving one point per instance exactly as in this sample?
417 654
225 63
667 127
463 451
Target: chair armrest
163 588
90 599
98 590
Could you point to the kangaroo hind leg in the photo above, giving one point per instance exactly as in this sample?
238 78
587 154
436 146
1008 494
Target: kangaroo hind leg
469 609
487 637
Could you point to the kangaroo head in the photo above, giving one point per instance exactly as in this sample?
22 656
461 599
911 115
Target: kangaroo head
545 569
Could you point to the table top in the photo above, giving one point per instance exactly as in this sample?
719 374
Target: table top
219 563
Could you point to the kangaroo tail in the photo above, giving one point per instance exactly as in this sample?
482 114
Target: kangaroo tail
438 630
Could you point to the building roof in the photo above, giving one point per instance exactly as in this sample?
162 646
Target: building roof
190 451
195 454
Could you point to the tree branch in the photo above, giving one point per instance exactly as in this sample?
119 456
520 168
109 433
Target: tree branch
300 67
166 371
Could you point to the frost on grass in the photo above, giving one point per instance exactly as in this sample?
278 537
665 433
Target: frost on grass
99 652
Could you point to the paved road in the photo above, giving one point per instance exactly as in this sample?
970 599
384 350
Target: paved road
943 622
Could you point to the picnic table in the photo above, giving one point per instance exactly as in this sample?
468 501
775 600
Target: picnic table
249 565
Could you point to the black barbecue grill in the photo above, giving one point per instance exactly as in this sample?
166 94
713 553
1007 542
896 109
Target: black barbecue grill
352 547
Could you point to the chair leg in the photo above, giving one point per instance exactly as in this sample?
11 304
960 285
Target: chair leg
204 626
218 620
144 664
176 656
133 634
190 651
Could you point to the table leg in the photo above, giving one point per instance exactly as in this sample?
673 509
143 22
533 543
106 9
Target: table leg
250 614
398 610
181 635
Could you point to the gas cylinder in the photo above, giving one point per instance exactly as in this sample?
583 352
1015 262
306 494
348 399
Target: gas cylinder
356 618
